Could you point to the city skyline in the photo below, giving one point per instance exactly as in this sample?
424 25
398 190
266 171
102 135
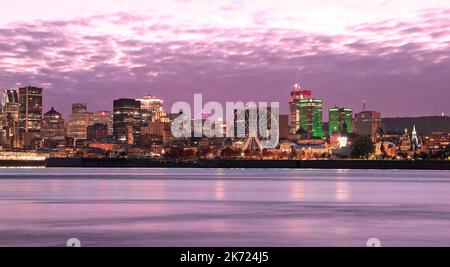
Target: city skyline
386 52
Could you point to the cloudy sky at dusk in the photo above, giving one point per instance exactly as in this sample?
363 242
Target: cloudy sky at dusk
394 54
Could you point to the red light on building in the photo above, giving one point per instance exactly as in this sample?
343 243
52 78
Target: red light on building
301 94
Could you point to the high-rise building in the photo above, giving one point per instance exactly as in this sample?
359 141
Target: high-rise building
340 120
297 94
152 104
78 122
10 119
30 116
367 123
310 116
152 109
127 121
155 124
104 117
283 124
53 129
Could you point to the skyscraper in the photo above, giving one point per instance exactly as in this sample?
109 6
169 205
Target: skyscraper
53 130
367 123
152 104
127 121
78 122
30 116
10 119
152 109
310 116
283 124
340 120
297 94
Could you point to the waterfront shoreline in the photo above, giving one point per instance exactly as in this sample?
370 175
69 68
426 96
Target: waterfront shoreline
250 164
232 163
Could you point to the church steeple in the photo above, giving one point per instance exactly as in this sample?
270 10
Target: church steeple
414 138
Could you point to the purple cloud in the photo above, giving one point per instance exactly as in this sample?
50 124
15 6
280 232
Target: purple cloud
399 67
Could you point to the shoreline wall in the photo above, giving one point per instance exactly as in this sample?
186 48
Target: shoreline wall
228 163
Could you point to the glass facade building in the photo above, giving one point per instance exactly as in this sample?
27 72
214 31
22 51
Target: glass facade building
127 121
78 122
10 119
30 115
340 120
297 94
310 116
367 123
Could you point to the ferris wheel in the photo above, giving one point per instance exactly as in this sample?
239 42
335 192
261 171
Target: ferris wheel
261 128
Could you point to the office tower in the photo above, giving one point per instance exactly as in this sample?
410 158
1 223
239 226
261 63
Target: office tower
30 116
78 122
10 119
340 120
297 94
283 123
310 117
152 109
53 129
367 123
153 105
127 121
97 132
104 117
155 124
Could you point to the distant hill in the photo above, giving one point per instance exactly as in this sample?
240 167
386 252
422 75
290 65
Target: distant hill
424 125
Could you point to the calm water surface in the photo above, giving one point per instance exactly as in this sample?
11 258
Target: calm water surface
222 207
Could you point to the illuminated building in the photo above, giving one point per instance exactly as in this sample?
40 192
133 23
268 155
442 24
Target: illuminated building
127 121
310 116
30 116
297 94
367 123
338 141
155 124
53 130
340 120
154 106
405 141
157 129
28 156
104 117
78 122
414 138
10 119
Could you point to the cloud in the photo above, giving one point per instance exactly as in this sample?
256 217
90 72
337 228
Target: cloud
97 59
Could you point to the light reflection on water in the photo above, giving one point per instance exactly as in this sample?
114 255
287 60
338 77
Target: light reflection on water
221 207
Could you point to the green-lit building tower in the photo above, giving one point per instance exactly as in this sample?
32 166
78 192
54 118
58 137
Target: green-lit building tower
310 116
340 118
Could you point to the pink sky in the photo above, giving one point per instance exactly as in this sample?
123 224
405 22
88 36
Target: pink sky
395 54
